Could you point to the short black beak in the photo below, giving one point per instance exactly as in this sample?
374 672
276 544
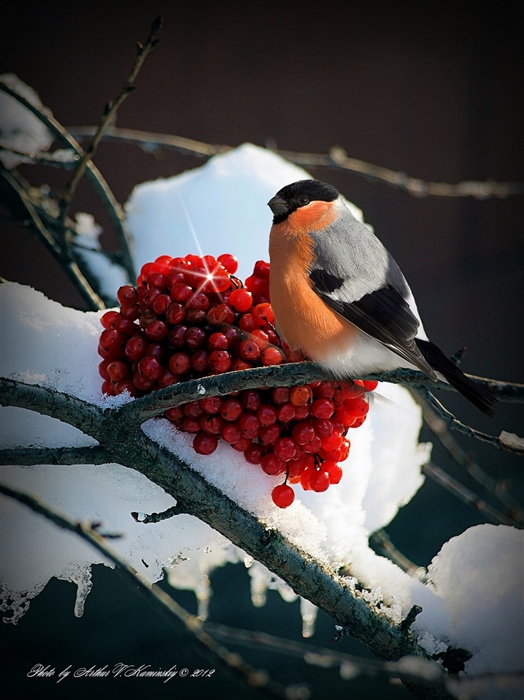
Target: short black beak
278 206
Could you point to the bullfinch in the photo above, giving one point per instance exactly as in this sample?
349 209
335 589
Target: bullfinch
340 298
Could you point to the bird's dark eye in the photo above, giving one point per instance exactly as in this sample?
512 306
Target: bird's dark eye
303 200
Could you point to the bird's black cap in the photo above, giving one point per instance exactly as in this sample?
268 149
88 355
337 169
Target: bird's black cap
299 194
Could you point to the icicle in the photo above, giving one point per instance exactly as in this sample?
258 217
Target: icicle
83 587
203 593
309 616
259 583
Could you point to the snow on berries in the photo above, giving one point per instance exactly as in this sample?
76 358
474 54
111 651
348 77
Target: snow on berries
191 317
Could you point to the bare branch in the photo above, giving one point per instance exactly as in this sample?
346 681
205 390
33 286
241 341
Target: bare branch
380 540
96 178
454 423
148 518
336 159
464 494
512 509
19 192
189 625
109 115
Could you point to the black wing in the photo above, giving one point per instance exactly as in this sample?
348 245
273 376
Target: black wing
383 314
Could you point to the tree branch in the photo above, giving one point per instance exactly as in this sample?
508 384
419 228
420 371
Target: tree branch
499 489
336 159
464 494
188 625
114 210
18 192
454 423
309 578
109 115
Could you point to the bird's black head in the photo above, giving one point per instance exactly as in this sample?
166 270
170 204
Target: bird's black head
299 194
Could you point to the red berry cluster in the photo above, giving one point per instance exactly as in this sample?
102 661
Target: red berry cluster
190 317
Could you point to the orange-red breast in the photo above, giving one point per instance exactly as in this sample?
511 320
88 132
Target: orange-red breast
340 297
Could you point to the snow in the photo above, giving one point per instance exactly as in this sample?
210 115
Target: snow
20 130
474 595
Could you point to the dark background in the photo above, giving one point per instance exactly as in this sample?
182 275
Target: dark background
435 91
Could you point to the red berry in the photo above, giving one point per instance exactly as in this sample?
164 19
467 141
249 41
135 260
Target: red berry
272 465
323 427
283 496
263 315
242 444
211 404
117 370
331 442
334 470
369 384
107 388
254 454
269 434
313 445
300 395
241 300
150 369
247 323
280 395
193 409
204 443
261 269
109 318
125 385
267 415
219 361
221 314
177 336
319 481
286 413
231 433
248 350
157 330
272 356
127 295
249 425
199 361
180 292
211 424
285 448
322 408
231 409
229 262
102 370
175 313
174 414
217 341
303 433
179 363
195 338
251 399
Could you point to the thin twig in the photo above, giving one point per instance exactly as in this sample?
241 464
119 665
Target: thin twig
464 494
336 159
71 267
498 489
189 625
149 518
380 539
454 423
110 114
114 210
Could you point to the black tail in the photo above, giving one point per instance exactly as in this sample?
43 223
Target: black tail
479 395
